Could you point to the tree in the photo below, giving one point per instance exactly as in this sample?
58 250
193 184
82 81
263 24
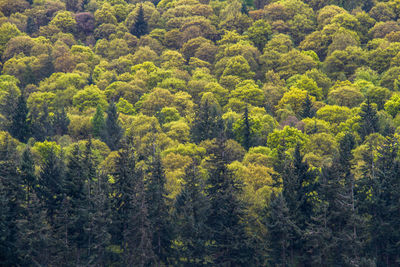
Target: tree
158 210
113 132
190 215
259 33
280 232
132 223
225 224
208 124
19 124
98 123
50 188
140 27
247 130
308 109
369 121
61 122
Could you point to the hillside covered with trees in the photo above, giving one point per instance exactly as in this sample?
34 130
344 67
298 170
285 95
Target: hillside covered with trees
199 133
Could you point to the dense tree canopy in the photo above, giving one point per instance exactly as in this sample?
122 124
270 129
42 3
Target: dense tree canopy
199 133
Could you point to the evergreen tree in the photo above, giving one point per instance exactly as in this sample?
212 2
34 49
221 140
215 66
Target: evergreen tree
247 142
100 219
113 132
158 209
50 187
369 121
12 198
41 124
61 122
19 127
98 123
190 216
384 206
208 123
140 27
298 185
308 109
281 232
226 229
132 223
27 172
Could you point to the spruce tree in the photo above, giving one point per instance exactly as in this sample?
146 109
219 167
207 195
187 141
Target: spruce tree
308 109
369 121
132 226
98 122
247 142
50 187
112 132
61 122
158 209
208 123
27 172
191 207
140 27
384 206
19 127
281 232
229 243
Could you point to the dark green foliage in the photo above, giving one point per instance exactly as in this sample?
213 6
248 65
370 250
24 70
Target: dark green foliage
308 109
191 208
247 130
160 222
140 27
61 122
384 206
50 187
132 222
19 127
112 132
281 232
226 230
98 122
42 125
369 121
208 123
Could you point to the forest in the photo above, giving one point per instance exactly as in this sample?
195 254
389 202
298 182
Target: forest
200 133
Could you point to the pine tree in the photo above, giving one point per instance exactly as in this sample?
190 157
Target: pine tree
140 27
19 128
98 122
191 207
224 222
113 132
369 121
281 232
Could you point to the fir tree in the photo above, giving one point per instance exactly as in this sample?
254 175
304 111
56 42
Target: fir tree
132 223
158 210
50 188
208 123
113 132
369 121
27 172
61 122
226 229
281 232
191 209
98 123
247 130
19 124
308 109
140 27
